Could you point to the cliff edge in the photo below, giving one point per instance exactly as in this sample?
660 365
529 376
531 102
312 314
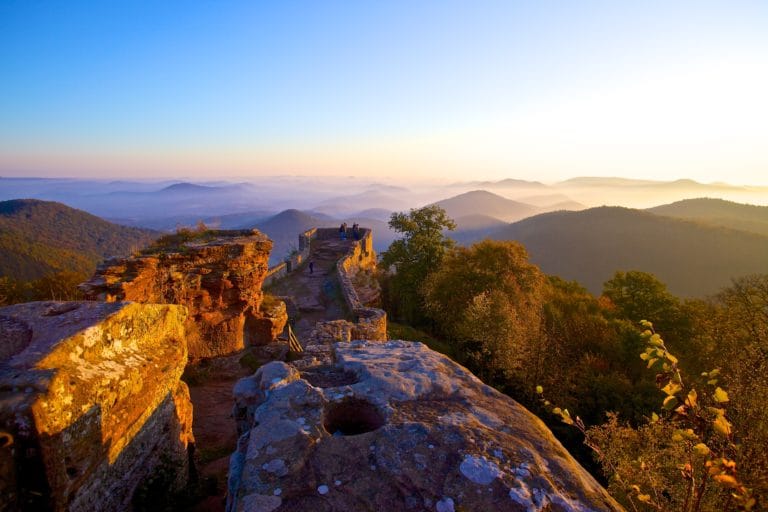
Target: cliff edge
217 275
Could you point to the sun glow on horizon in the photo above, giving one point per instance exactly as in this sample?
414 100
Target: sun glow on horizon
532 93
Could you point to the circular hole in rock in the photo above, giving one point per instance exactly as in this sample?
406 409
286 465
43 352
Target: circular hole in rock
328 376
6 439
352 417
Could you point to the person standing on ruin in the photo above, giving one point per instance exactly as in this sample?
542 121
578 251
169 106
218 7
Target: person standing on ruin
311 266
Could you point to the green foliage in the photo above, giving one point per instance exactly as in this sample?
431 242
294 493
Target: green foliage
588 358
512 326
681 459
639 295
413 257
55 286
733 335
487 301
175 242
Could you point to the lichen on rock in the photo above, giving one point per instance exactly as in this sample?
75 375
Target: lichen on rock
396 426
92 403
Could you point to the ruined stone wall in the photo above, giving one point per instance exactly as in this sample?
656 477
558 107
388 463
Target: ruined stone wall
218 279
371 323
91 403
294 261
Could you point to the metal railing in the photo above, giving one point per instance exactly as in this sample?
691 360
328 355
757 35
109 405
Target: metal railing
293 342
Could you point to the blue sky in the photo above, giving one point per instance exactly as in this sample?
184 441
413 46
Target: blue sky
539 90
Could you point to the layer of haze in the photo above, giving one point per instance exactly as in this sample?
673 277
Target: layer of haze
440 91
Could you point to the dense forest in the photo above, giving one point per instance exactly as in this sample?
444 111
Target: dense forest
669 415
46 248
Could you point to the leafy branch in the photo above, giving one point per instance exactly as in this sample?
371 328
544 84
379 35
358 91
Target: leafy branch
699 434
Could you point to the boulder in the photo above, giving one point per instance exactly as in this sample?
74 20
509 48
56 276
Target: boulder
268 326
91 405
395 426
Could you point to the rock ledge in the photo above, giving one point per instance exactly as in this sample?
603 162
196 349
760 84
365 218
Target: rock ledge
395 426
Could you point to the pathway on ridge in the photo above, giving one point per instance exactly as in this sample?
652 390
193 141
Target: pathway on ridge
317 295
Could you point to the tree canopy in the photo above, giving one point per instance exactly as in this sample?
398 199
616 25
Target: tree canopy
412 257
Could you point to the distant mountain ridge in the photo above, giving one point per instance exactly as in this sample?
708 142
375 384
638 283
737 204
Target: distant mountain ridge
40 237
718 212
482 202
588 246
505 183
283 229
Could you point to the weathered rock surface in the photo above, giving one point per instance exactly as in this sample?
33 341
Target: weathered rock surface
219 280
265 328
394 426
90 403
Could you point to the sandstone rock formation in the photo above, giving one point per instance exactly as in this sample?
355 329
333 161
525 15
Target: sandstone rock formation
91 403
217 277
394 426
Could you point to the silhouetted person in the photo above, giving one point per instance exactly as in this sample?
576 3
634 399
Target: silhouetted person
311 266
356 231
343 231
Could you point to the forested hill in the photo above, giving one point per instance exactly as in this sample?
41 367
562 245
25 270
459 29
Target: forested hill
41 237
693 259
718 212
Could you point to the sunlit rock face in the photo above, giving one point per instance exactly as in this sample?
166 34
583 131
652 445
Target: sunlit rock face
91 403
218 279
394 426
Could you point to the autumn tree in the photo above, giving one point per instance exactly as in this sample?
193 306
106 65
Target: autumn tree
682 459
637 295
734 336
411 258
487 298
589 357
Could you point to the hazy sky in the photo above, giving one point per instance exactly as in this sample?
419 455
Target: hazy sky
446 90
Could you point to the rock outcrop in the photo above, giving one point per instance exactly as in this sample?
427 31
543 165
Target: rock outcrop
394 426
91 404
217 277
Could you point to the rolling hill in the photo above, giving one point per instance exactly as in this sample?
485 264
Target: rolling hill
692 259
472 228
41 237
284 228
718 212
482 202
